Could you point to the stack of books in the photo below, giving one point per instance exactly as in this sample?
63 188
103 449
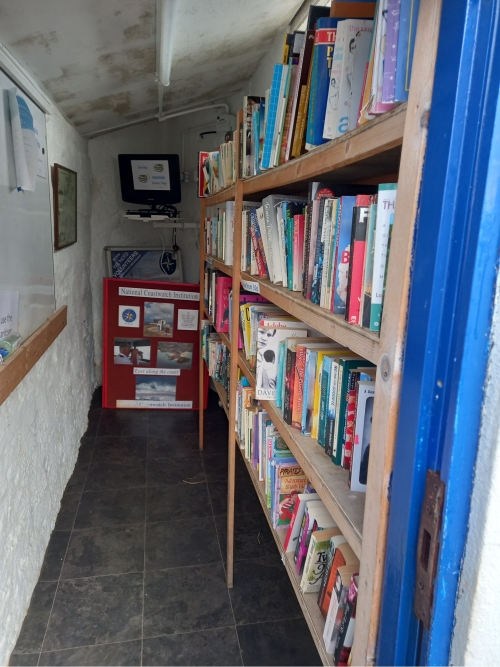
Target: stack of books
351 64
333 249
217 169
215 354
329 569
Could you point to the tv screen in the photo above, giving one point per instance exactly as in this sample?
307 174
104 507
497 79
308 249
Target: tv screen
149 179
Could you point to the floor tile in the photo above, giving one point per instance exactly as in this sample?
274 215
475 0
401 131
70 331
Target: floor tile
208 647
54 555
278 643
104 550
24 659
180 502
252 536
216 466
86 449
163 423
77 480
122 653
119 449
186 599
111 508
67 513
93 422
123 423
172 446
262 591
95 611
175 471
103 476
35 623
246 500
181 543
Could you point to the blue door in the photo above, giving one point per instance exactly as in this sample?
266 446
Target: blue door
456 256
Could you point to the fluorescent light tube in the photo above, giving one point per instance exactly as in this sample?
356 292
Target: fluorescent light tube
166 17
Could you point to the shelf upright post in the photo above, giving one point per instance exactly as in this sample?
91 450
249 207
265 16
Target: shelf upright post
233 367
202 313
392 338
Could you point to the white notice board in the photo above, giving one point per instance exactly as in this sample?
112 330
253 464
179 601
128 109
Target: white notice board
26 256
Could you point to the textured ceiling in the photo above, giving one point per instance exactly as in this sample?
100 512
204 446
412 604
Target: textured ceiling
97 58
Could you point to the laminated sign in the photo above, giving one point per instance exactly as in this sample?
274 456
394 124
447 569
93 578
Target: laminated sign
24 140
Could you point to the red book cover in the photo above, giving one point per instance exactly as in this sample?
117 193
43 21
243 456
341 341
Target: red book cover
298 251
357 261
222 289
298 394
350 422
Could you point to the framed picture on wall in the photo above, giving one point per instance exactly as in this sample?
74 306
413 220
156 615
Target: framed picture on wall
64 184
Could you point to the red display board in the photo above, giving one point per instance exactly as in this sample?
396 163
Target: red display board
151 353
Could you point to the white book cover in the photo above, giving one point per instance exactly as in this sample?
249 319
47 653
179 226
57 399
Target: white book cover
351 28
315 561
229 233
386 204
331 114
361 55
326 240
362 436
267 359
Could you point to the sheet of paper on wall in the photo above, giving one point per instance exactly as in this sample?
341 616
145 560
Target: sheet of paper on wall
24 140
41 167
9 310
187 320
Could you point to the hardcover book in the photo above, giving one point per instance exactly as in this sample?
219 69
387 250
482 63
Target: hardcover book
355 278
386 204
315 562
267 358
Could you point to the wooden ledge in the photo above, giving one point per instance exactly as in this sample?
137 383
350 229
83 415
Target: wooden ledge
16 367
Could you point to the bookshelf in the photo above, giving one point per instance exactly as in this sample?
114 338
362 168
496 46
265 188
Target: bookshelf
389 148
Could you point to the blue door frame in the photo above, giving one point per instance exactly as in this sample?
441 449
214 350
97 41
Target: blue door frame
451 299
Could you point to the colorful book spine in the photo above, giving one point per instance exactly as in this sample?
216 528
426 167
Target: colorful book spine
386 204
300 364
272 112
391 51
332 112
323 400
324 45
257 247
298 249
331 407
301 80
408 16
222 289
358 246
349 419
289 382
342 257
364 315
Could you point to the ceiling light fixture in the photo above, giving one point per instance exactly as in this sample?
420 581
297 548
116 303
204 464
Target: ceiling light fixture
165 16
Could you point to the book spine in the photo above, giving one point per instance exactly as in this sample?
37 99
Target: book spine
324 44
298 249
303 73
322 407
406 41
271 117
338 401
326 573
312 245
287 411
307 248
350 406
331 408
391 51
358 247
318 256
327 241
257 253
300 360
386 204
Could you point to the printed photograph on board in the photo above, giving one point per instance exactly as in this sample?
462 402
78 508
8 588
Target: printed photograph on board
175 355
158 319
132 351
149 388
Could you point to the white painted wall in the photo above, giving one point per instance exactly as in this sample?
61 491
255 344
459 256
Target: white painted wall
476 639
263 75
42 421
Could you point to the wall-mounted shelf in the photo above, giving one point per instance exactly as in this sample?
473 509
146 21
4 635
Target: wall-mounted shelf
163 221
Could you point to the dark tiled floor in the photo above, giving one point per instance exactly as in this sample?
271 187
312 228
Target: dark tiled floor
134 573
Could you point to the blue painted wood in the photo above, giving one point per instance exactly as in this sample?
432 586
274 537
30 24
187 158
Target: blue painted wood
448 325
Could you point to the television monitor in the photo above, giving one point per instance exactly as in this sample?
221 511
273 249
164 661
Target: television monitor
150 179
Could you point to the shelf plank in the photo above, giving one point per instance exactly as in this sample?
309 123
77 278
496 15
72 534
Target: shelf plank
373 149
359 340
219 265
308 602
15 368
220 197
329 480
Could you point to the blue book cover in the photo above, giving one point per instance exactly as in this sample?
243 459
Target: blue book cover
324 44
343 242
308 396
271 117
408 16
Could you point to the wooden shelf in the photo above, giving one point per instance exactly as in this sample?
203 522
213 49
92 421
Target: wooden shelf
307 602
359 340
220 197
372 150
222 395
17 366
220 266
329 480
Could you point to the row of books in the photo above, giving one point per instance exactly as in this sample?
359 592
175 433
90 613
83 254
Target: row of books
330 571
217 287
332 249
351 64
215 354
322 557
217 169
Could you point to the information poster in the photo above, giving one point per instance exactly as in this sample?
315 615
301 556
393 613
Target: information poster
151 351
